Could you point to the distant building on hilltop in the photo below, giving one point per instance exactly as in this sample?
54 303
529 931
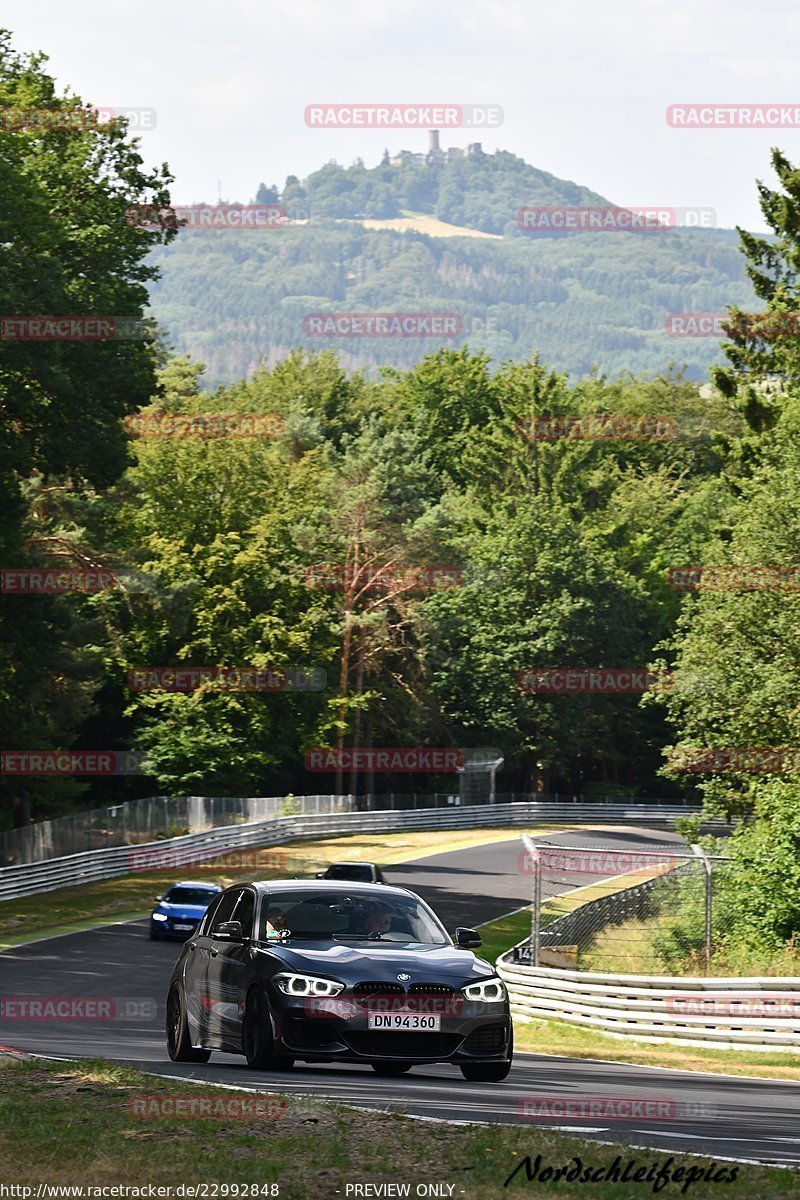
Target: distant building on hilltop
435 155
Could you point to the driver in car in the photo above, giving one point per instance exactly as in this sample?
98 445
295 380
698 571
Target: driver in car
379 920
276 919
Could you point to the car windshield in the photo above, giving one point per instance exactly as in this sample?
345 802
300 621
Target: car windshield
316 915
356 871
189 895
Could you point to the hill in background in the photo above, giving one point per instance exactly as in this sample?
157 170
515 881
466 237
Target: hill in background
583 300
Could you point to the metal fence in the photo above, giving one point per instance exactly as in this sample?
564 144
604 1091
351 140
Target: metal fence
607 909
154 817
113 862
149 819
758 1013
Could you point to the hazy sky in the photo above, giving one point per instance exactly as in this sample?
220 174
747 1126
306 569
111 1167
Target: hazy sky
584 86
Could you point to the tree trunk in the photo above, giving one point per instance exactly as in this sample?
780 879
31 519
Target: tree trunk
357 713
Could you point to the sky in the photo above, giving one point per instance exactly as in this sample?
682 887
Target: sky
584 86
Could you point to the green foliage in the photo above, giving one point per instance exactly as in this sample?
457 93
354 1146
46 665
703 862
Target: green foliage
589 299
66 249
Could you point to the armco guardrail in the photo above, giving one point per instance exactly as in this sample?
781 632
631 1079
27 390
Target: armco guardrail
31 878
752 1014
133 822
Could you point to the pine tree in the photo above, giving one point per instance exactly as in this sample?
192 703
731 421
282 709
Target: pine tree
763 348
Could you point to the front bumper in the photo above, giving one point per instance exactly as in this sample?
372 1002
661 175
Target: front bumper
482 1036
167 930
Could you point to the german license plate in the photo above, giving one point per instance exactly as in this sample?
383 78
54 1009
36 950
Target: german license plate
183 925
403 1021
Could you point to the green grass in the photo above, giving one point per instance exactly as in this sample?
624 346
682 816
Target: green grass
71 1124
499 936
574 1041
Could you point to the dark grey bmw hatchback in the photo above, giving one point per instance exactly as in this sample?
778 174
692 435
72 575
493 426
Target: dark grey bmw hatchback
328 971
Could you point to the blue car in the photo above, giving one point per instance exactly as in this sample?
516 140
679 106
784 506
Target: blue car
179 911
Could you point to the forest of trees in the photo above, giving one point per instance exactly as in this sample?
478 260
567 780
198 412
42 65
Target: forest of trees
237 300
564 545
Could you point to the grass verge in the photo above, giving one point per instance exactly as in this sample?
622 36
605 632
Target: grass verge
131 896
499 935
73 1124
557 1037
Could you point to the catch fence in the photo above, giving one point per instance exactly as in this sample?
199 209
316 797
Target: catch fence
603 908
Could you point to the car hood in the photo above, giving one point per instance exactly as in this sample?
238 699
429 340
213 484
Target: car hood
351 964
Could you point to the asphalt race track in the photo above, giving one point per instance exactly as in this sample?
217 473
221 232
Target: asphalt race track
721 1116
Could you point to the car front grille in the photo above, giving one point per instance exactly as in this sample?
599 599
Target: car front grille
487 1037
365 993
403 1045
382 996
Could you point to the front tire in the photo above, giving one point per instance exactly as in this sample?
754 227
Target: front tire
179 1043
391 1068
257 1042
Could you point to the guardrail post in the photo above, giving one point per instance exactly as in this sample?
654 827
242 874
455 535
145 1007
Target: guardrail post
701 854
536 917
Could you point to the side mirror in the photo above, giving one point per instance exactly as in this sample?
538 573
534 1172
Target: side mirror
320 875
467 939
159 898
229 931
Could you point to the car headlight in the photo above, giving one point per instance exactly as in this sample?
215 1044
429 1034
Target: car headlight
306 985
160 917
487 990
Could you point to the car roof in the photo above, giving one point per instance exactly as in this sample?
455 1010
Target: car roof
379 890
197 883
350 862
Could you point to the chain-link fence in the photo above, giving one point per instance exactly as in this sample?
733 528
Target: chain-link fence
631 911
156 817
150 819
